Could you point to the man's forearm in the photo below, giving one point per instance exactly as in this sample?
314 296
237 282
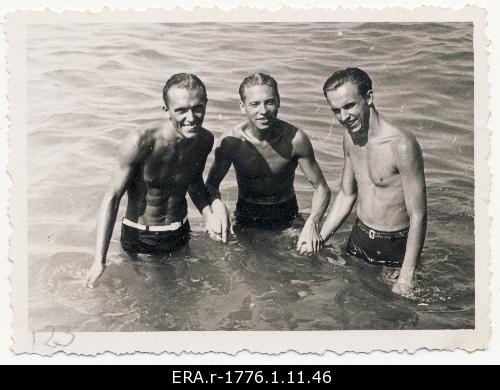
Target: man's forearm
341 208
320 202
201 199
105 225
414 245
213 190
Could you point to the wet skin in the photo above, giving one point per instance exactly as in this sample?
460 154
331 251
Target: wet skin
168 167
265 152
383 171
265 170
157 167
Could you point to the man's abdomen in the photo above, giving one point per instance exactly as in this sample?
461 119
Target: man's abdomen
166 210
382 208
156 208
266 190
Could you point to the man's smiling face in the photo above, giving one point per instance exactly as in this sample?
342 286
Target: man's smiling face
351 109
186 108
260 106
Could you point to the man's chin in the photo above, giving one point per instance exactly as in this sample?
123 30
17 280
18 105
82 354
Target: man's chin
261 125
190 133
355 131
357 136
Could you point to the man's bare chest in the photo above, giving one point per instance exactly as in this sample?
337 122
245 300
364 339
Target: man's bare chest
169 167
253 161
374 166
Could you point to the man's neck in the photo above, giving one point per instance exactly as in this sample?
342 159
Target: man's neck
171 133
374 124
362 137
263 135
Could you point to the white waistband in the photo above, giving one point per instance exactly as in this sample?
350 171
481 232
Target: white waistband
156 228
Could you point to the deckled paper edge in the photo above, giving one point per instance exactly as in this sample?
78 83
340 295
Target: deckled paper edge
264 342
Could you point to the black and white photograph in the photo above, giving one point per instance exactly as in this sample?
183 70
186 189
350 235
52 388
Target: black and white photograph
250 176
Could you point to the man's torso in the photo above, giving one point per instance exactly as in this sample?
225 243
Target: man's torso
265 170
157 191
381 203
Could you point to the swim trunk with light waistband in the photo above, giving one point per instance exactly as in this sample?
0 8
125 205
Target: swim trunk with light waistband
377 247
154 240
248 213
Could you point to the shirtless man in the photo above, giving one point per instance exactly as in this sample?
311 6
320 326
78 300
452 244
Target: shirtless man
384 171
265 152
156 167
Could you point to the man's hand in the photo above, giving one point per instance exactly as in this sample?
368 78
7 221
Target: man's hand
310 240
403 289
213 227
94 273
220 225
405 283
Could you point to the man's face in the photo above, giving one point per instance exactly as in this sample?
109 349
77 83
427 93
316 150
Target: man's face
186 109
351 109
260 106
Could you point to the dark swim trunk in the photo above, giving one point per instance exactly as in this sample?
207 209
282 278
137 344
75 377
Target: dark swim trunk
266 214
376 247
154 240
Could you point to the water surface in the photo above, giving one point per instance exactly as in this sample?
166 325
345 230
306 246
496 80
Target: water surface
90 84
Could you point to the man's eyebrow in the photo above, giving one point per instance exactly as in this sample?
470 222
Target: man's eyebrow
349 104
344 106
187 108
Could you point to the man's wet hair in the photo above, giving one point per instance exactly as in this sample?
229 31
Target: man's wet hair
184 80
258 79
354 75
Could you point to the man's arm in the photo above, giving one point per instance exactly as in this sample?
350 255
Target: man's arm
220 168
217 173
123 172
411 168
197 190
310 236
344 201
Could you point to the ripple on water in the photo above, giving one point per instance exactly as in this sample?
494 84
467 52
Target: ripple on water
112 84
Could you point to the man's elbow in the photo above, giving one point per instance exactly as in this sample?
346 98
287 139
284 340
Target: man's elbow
348 196
325 190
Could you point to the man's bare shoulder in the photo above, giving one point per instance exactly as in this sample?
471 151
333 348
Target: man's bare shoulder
402 138
136 145
206 139
237 131
302 146
405 146
206 136
292 132
234 136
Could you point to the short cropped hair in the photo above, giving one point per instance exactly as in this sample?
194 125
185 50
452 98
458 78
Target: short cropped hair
258 79
354 75
184 80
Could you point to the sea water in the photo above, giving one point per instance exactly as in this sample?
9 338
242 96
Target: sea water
91 84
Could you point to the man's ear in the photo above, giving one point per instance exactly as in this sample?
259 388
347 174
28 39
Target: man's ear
165 108
369 97
242 107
